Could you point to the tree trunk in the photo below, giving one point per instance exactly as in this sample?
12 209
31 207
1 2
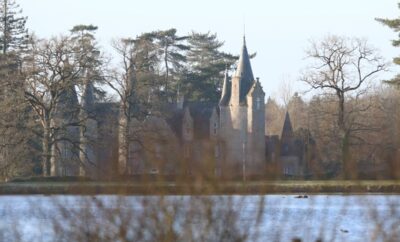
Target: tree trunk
83 152
123 140
349 170
84 140
341 123
166 68
46 166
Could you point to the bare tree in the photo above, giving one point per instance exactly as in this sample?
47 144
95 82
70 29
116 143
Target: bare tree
274 117
342 66
286 90
122 81
298 112
50 76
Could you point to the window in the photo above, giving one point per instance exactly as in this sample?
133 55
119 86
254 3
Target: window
258 103
216 151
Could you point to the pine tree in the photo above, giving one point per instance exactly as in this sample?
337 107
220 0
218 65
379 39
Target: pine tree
13 33
89 55
207 66
172 49
15 126
394 24
150 81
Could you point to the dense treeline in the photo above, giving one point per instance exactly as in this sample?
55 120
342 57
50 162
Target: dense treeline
353 124
375 119
40 77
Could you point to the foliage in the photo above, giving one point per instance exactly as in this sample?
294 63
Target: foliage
393 24
17 154
14 35
172 50
206 66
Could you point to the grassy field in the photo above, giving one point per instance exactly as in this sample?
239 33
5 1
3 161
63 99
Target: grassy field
172 188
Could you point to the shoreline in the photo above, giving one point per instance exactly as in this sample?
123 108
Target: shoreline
221 188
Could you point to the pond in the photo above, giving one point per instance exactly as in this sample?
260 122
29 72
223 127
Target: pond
200 218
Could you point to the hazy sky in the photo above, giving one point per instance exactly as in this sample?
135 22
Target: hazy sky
279 31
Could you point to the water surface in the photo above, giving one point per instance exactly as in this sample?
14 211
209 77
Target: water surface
201 218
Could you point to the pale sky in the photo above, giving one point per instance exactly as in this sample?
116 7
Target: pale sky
279 31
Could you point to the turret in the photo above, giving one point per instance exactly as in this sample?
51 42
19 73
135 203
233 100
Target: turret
256 96
64 160
256 126
243 78
226 90
88 132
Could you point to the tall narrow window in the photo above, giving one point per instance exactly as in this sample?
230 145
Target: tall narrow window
258 103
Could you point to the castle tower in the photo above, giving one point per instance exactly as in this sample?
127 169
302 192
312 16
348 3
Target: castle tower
242 79
242 119
226 89
256 126
65 155
88 132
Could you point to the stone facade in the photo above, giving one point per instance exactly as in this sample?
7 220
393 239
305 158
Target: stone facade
242 120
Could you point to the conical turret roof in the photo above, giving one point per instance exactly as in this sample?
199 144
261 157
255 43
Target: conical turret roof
226 90
287 131
88 98
67 105
244 72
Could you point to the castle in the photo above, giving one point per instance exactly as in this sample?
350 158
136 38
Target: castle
224 139
242 119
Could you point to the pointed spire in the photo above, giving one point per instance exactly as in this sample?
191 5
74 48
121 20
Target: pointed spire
287 131
244 69
67 104
244 73
88 97
226 89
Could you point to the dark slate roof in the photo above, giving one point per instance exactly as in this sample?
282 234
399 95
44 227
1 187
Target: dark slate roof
287 130
244 72
105 112
226 90
200 112
67 105
88 98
